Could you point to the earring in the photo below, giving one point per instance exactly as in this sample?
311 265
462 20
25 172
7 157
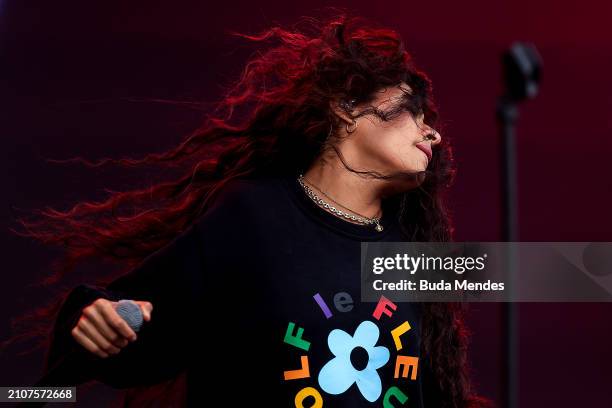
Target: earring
349 106
347 127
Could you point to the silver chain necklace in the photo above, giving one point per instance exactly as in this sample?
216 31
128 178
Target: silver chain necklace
314 197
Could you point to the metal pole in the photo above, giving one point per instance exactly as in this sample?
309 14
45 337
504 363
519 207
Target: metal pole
507 114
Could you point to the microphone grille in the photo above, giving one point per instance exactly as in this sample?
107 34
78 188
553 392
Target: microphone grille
130 312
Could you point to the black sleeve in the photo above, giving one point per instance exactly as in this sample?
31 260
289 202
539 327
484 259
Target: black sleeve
172 280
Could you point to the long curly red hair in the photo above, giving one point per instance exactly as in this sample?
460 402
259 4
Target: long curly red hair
274 119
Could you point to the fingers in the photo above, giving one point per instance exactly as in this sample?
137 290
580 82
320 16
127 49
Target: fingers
97 319
89 345
146 308
102 331
115 321
94 335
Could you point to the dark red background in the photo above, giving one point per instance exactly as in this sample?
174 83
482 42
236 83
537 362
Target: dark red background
72 70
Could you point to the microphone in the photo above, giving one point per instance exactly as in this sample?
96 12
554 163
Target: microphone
130 312
127 309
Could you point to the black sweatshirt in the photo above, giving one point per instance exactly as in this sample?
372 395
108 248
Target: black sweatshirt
259 301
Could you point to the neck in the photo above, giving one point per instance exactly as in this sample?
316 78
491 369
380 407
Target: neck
361 195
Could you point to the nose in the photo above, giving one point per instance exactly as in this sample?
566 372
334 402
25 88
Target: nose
430 133
427 132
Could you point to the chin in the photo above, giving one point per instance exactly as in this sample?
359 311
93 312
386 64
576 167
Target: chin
406 180
416 169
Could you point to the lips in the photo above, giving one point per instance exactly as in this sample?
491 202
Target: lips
425 148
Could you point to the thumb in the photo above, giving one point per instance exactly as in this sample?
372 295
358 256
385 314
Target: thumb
146 308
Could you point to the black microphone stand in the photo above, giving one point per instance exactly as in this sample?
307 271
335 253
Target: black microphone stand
521 75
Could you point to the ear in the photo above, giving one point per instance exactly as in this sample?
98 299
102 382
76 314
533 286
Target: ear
340 108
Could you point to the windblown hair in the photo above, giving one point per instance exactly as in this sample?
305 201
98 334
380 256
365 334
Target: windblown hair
275 119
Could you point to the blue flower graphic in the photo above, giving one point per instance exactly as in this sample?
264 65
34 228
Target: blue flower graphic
339 373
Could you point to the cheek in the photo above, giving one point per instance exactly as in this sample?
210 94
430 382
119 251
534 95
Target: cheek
393 142
393 148
402 151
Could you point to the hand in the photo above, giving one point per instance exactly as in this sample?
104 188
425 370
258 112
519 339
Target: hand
102 331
